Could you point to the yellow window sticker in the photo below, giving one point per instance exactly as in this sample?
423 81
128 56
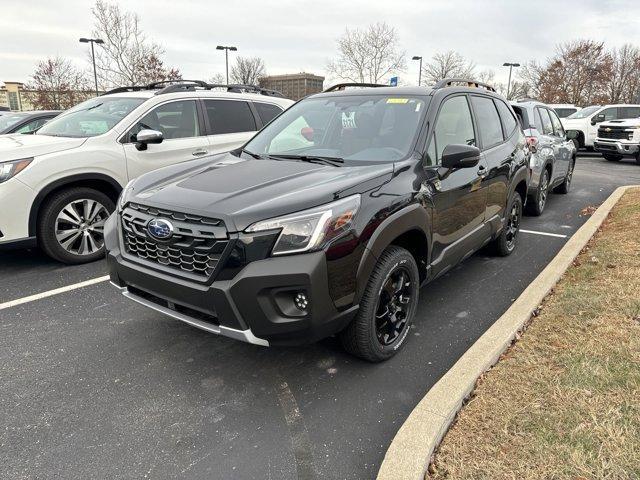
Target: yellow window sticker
397 100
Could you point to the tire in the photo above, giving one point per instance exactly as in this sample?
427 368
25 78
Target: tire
538 201
370 335
638 158
612 158
506 243
565 186
65 234
576 143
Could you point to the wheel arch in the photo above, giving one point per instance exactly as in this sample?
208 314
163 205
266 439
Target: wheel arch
407 228
103 183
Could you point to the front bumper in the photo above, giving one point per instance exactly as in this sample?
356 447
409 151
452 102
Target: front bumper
256 305
615 147
16 199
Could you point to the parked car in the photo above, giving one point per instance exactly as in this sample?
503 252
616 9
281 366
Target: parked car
25 122
619 138
564 109
585 122
553 154
63 181
329 219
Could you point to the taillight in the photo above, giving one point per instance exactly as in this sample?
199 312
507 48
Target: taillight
532 143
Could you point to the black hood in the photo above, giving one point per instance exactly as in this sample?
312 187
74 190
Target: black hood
242 192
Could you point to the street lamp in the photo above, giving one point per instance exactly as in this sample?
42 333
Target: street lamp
226 57
416 57
93 56
510 65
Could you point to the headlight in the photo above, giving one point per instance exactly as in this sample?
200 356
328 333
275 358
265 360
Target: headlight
122 199
311 229
12 168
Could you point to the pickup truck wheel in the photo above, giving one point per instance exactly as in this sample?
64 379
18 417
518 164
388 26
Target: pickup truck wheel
506 242
612 158
71 225
536 204
565 186
387 309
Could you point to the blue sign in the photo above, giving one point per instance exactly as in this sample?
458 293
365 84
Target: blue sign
393 81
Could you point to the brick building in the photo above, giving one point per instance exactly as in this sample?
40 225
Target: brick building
293 85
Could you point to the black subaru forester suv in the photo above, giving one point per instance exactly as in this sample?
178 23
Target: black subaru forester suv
330 219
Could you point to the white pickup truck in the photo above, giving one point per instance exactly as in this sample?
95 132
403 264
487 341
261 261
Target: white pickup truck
619 138
585 122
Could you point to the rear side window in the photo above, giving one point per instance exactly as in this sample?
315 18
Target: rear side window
488 121
557 125
506 116
454 126
537 120
547 126
267 111
229 116
629 112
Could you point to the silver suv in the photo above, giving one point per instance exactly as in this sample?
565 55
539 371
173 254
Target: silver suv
553 155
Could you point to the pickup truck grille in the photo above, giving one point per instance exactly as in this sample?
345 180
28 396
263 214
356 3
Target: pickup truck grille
194 250
615 133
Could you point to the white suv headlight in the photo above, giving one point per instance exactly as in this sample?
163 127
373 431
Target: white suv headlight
12 168
310 229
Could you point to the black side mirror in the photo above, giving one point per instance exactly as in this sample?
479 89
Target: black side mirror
145 137
460 156
597 119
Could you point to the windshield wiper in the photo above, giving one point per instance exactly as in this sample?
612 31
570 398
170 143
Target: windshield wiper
254 155
334 161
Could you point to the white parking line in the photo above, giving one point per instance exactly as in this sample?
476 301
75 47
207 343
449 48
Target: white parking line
534 232
50 293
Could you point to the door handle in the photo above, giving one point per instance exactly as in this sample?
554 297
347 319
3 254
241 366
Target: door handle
482 171
199 153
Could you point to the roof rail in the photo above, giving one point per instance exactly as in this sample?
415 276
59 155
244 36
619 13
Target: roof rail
527 99
342 86
171 86
448 82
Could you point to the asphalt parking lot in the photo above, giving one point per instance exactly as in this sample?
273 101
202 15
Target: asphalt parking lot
94 386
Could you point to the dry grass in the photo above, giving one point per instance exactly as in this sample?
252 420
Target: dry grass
564 401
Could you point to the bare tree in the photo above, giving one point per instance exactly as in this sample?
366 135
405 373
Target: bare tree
624 83
368 55
247 71
446 65
57 84
218 79
127 57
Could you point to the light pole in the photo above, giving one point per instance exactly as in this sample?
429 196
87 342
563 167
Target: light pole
226 57
93 56
416 57
510 65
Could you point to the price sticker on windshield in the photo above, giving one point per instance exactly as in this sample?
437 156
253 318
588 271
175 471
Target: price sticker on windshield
349 120
397 100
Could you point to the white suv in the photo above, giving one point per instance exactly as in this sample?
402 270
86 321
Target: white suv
58 186
585 122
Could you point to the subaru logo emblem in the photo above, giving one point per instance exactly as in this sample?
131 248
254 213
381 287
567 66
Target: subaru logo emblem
160 228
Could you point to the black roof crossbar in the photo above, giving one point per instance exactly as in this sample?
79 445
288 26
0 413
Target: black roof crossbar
448 82
342 86
171 86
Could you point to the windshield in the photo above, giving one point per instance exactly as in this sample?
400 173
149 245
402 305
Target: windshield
585 112
360 128
90 118
10 120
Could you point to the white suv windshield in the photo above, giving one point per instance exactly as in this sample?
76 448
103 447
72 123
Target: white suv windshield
585 112
91 118
358 128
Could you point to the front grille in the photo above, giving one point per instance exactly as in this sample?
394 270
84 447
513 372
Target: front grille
615 133
194 249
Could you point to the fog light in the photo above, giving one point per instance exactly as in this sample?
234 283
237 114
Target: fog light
301 301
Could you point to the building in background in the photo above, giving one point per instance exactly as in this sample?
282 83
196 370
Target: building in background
12 96
294 85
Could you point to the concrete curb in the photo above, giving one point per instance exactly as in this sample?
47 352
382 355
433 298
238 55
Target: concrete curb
409 454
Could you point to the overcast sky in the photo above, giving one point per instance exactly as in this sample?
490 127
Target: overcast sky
294 35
